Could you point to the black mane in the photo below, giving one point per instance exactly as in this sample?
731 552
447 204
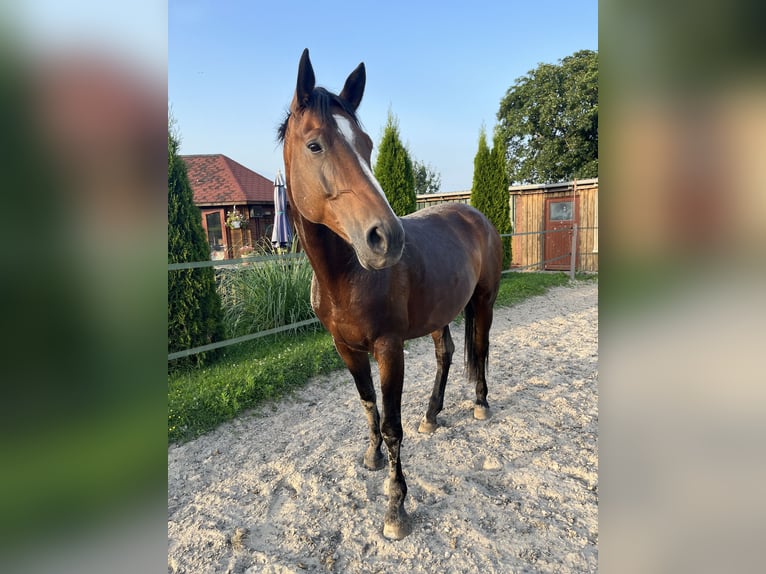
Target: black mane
321 102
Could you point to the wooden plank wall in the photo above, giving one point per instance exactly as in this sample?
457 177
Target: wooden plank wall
529 212
429 199
530 216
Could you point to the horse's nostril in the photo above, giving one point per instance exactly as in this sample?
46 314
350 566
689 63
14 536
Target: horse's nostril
376 240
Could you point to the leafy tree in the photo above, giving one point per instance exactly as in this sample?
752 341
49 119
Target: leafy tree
426 179
489 192
548 121
194 307
393 170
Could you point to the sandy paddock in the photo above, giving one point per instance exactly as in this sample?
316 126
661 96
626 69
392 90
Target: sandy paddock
282 489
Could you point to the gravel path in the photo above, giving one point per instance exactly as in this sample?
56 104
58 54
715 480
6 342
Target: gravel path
282 489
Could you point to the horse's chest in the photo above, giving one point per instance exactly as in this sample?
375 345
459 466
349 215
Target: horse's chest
344 316
327 304
316 296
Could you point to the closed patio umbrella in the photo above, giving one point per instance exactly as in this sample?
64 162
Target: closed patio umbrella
282 234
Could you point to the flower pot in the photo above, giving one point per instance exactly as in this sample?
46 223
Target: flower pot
235 224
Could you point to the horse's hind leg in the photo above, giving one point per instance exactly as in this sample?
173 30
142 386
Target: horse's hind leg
358 364
444 348
478 314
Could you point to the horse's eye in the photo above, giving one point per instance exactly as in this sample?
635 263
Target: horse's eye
314 147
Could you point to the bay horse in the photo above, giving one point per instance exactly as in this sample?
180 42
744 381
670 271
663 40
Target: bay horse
380 279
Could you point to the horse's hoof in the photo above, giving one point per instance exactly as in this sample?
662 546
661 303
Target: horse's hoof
396 529
427 427
481 413
374 460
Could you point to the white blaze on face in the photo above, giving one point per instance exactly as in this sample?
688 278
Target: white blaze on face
347 131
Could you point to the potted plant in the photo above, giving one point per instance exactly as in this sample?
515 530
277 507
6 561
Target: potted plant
235 220
246 251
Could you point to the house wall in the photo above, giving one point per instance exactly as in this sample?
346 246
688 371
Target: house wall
258 231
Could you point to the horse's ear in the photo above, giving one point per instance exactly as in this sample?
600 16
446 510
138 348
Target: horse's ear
306 80
353 90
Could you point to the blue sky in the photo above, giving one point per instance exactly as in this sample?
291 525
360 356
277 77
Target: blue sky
441 67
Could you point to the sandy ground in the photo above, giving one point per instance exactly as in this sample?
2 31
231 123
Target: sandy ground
282 489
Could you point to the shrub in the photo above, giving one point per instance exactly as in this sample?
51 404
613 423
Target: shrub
267 294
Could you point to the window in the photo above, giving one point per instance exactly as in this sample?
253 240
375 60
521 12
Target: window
561 211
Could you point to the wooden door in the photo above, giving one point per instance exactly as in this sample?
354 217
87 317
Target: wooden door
212 222
561 213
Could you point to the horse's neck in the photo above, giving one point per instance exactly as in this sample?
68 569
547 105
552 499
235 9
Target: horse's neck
330 256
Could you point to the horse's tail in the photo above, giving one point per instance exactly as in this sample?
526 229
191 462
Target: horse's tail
472 360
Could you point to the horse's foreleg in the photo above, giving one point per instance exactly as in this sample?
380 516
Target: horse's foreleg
444 348
390 357
358 364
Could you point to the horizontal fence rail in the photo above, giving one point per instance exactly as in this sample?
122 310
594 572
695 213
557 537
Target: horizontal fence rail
232 262
242 339
538 264
300 256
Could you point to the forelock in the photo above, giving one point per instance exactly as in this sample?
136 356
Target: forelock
321 102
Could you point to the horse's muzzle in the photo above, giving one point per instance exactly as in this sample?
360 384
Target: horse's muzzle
383 246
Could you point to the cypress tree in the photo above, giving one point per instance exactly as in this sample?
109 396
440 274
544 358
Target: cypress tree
501 209
489 193
480 189
393 170
194 307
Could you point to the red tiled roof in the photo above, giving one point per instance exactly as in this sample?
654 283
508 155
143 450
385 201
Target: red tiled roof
217 179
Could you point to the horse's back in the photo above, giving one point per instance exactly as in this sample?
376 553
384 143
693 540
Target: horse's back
452 228
469 219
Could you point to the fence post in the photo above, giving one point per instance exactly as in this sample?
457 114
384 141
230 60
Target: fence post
573 260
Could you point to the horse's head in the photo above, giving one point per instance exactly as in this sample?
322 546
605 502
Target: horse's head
327 165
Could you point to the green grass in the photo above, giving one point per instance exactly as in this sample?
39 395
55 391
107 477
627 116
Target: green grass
517 286
247 375
266 369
